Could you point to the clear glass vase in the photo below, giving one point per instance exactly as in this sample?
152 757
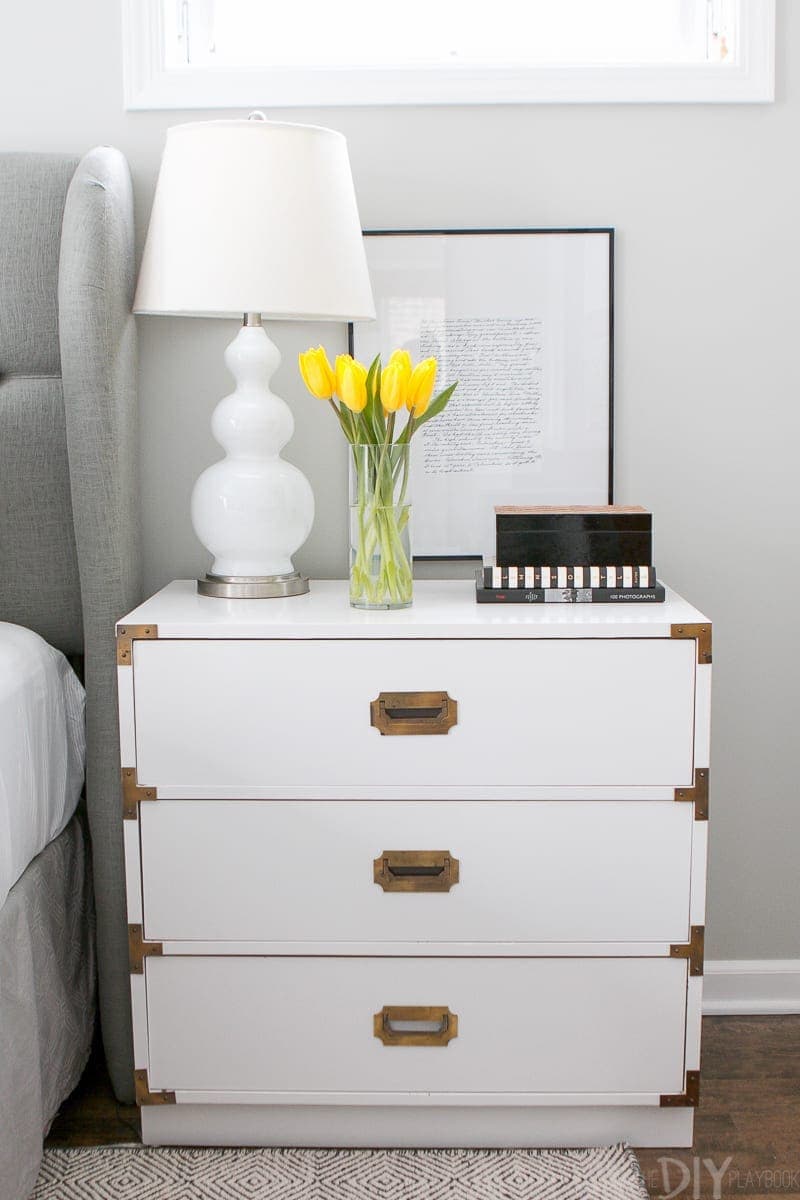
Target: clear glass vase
380 527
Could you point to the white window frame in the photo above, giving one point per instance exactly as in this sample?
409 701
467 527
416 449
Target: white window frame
149 84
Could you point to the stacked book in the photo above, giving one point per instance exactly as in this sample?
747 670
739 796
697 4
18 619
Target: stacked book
567 585
531 540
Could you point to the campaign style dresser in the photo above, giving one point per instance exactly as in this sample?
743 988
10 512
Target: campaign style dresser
432 877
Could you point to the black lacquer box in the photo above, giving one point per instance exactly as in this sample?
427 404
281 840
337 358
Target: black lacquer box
582 536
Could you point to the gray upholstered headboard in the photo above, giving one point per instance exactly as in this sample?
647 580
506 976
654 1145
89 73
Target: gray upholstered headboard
39 583
69 530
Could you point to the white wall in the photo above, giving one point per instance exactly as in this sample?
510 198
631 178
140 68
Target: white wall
706 202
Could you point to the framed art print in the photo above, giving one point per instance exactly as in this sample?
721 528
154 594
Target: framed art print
523 319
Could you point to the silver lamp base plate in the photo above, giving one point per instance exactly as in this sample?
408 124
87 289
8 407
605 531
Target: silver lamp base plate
252 587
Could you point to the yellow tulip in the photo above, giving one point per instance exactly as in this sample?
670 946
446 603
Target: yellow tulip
317 373
420 386
351 382
394 385
402 357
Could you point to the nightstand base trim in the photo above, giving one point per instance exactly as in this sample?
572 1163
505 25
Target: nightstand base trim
362 1126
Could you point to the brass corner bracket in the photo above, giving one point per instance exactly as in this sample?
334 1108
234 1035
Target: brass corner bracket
133 795
694 950
145 1096
126 636
698 795
689 1098
702 635
139 949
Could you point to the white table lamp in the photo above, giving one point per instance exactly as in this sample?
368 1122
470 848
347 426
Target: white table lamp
257 218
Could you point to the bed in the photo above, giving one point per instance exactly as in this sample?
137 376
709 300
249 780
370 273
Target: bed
70 567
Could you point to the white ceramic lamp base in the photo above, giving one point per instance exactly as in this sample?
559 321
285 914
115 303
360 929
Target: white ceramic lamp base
252 510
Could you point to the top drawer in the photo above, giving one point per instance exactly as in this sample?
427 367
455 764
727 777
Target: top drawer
239 717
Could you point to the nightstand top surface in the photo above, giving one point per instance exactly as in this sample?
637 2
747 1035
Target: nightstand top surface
441 608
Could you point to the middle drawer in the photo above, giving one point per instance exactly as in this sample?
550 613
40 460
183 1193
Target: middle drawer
527 871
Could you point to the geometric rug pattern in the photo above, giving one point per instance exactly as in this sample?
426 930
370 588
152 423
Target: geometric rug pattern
173 1173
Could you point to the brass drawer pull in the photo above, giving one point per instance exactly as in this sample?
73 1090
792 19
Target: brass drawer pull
415 870
413 712
399 1025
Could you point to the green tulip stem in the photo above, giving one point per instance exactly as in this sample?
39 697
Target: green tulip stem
380 574
406 459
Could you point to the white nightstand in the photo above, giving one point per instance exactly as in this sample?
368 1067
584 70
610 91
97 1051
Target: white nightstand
344 932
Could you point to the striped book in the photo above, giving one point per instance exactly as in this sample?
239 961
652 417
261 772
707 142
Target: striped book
654 594
651 595
547 578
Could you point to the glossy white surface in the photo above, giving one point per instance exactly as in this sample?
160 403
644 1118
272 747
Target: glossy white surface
441 609
694 1012
238 871
305 1024
237 714
141 1048
133 876
702 716
252 509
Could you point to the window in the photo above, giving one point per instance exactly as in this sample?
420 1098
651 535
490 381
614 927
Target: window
239 53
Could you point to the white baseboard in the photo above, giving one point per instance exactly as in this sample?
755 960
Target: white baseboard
744 988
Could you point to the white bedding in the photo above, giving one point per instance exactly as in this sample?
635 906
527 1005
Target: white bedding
42 748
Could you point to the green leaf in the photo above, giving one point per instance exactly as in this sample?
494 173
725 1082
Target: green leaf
373 367
379 416
436 406
372 416
343 416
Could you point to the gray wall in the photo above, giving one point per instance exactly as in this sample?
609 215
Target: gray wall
706 202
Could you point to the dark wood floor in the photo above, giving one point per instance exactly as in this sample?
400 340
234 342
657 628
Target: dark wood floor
747 1129
749 1114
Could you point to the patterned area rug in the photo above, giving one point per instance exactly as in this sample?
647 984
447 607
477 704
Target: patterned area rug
181 1174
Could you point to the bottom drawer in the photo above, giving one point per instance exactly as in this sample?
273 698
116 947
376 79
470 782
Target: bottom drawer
547 1025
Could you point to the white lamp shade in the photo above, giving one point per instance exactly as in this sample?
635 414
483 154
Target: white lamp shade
255 216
